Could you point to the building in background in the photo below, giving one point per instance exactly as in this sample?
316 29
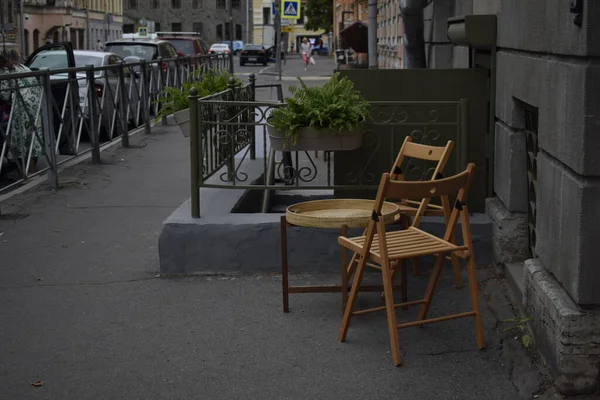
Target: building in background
293 30
9 29
82 22
389 35
210 18
105 20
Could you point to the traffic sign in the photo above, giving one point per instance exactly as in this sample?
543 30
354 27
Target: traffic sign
290 9
286 29
274 8
143 31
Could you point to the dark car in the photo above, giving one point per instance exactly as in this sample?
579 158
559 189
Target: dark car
59 56
253 53
187 43
134 50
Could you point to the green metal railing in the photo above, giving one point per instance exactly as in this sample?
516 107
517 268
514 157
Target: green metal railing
228 129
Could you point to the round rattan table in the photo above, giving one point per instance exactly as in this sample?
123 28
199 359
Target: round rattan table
329 214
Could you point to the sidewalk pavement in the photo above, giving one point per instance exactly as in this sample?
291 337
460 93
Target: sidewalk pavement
82 309
294 67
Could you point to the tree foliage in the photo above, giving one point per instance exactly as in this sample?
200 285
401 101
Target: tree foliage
319 15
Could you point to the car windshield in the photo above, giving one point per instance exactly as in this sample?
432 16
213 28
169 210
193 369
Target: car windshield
51 59
185 46
82 60
124 50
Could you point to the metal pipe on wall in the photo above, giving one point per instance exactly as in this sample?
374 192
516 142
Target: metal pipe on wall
22 30
372 34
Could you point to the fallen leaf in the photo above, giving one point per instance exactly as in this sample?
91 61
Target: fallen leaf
37 383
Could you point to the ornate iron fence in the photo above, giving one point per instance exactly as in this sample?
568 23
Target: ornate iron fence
228 129
49 117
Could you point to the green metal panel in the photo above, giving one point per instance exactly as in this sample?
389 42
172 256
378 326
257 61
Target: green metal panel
433 118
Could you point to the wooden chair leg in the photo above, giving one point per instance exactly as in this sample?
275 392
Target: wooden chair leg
415 266
474 291
456 271
344 266
284 266
353 294
435 275
403 283
391 311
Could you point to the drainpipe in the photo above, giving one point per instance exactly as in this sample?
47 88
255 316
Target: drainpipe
22 29
87 25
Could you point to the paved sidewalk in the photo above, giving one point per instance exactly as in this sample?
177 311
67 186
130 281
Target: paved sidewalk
323 67
82 309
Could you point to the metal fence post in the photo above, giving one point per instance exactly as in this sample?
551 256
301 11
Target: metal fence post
123 105
251 117
48 126
162 84
195 154
93 113
146 101
231 130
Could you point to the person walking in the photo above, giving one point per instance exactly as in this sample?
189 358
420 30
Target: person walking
305 52
26 132
99 46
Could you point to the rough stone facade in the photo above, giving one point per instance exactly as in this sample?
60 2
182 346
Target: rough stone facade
547 172
565 333
205 16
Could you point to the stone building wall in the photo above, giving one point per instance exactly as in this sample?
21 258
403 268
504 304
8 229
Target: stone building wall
547 171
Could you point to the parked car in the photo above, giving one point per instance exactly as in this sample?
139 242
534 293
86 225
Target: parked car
255 54
132 51
237 47
219 48
187 43
58 56
109 97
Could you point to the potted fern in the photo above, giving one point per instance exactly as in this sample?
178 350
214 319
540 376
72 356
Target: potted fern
327 118
174 101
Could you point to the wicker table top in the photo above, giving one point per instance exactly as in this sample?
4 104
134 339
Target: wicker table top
354 213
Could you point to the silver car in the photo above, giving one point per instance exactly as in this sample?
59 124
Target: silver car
106 84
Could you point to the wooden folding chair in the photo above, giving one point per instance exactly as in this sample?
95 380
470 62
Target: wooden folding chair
409 207
386 248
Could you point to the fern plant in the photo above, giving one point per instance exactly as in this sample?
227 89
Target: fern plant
173 99
334 107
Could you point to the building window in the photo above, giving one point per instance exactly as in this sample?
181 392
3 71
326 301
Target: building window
10 11
300 21
220 32
238 32
236 3
197 4
176 3
128 28
266 15
157 27
197 27
133 4
36 39
221 3
155 3
176 27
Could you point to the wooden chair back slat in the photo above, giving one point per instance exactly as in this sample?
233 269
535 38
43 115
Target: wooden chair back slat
422 152
427 189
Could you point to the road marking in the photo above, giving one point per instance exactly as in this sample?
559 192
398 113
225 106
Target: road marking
305 78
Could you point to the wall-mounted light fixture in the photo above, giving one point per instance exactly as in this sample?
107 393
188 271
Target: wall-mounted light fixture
576 8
